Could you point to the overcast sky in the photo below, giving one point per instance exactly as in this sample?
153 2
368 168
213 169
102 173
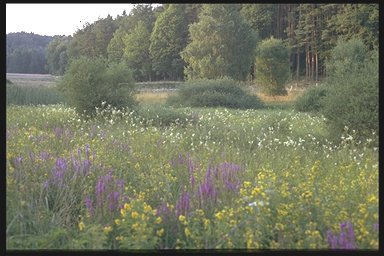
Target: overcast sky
57 19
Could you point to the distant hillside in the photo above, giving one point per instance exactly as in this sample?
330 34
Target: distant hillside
25 53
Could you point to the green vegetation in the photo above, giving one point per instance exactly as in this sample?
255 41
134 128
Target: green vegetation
214 93
23 95
352 101
272 66
311 100
93 83
222 44
212 183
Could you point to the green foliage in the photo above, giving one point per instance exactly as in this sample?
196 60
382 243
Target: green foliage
162 116
168 39
346 57
25 95
91 83
25 53
311 100
272 66
352 101
56 55
93 39
214 93
136 52
222 44
261 17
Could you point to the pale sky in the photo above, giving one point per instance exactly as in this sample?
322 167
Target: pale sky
58 19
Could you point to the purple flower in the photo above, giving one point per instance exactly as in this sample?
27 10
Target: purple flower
346 238
113 199
206 190
182 205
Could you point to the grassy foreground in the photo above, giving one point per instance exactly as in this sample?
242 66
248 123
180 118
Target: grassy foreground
225 179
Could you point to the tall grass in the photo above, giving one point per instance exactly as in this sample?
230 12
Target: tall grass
226 178
30 95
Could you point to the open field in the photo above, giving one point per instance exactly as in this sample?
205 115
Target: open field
224 179
32 79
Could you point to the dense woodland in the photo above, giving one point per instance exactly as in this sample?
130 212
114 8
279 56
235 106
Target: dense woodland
169 42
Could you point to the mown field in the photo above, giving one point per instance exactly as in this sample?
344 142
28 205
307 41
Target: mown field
212 179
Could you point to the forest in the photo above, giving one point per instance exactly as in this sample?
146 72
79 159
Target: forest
151 39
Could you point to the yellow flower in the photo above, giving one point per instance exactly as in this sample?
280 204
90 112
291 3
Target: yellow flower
181 218
187 232
122 212
135 225
81 225
127 207
219 215
107 229
206 223
134 215
158 220
118 222
119 238
247 184
147 208
160 232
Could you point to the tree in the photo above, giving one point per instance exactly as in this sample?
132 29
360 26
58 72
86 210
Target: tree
89 82
261 17
56 55
352 100
93 39
168 39
136 52
222 44
272 66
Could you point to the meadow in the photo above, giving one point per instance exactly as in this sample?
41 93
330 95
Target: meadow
215 178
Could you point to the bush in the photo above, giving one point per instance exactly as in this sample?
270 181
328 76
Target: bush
311 100
90 82
353 98
272 66
214 93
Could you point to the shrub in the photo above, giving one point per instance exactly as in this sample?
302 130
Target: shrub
353 97
214 93
311 100
272 66
89 82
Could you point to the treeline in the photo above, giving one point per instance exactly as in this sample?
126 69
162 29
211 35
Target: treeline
25 53
178 41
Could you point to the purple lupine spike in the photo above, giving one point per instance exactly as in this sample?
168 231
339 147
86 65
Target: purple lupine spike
87 151
345 240
351 236
332 240
182 205
79 153
113 199
61 164
100 186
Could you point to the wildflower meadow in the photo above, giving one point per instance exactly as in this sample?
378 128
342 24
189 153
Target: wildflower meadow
215 179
